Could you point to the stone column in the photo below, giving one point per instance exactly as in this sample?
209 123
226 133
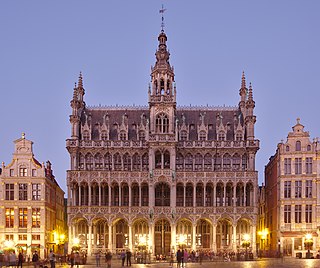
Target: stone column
130 198
234 236
89 195
214 195
224 195
194 237
89 240
253 240
109 196
99 194
130 237
140 197
234 195
110 237
173 237
214 238
79 203
120 192
71 237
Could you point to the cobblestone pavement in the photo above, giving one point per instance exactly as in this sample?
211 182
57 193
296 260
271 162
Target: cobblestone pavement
259 263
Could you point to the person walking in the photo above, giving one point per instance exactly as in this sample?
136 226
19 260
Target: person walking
129 254
52 259
108 259
98 256
20 260
123 257
35 259
72 259
179 258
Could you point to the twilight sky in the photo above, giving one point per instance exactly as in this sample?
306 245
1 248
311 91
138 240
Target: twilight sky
45 44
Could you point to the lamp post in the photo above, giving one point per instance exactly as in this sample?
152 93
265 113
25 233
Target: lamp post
246 244
308 242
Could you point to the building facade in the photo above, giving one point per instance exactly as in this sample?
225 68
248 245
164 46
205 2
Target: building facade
292 195
32 204
159 177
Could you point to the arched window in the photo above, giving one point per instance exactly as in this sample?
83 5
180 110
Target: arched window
188 162
179 161
183 135
199 195
89 161
98 161
107 161
158 161
227 162
117 162
162 123
208 162
162 195
236 162
244 162
166 159
145 162
125 195
287 148
136 161
127 162
198 162
238 136
189 195
162 86
217 162
144 194
81 161
298 145
309 148
180 195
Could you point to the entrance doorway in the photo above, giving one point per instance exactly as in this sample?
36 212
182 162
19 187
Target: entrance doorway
162 238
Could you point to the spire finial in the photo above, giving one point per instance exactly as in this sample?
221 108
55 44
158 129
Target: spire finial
243 80
23 135
162 10
80 84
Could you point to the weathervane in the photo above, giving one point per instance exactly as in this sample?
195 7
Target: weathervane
162 10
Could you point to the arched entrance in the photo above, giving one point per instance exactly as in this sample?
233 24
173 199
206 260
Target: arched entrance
184 234
203 234
162 237
121 234
224 234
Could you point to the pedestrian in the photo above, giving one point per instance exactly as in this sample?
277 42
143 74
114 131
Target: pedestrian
20 260
129 257
108 259
123 257
77 259
72 259
52 259
185 257
98 256
35 259
179 258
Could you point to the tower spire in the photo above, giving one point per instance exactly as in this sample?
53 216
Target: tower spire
161 11
243 80
80 82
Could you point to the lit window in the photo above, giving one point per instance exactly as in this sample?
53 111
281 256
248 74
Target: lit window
36 217
9 191
23 191
9 217
36 191
23 217
23 172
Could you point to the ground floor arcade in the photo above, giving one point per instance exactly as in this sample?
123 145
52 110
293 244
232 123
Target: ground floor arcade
162 235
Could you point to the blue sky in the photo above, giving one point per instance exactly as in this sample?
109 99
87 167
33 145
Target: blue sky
45 44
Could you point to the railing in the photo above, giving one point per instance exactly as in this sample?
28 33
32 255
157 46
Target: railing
106 144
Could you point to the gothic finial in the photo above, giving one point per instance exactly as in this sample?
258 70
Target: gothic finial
80 83
243 80
23 136
161 11
250 97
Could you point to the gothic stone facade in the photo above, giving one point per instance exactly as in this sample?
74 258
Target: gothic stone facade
32 204
162 176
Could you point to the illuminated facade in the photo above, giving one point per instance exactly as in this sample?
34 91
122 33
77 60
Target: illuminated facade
292 195
32 204
162 176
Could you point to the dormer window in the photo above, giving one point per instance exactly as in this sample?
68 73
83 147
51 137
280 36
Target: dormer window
183 135
104 135
309 148
287 148
123 135
23 172
298 145
162 87
142 135
202 135
86 135
221 136
162 123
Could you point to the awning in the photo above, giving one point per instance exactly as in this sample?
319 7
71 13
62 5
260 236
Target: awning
297 234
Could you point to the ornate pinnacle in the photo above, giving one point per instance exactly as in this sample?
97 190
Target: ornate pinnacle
250 97
80 84
243 80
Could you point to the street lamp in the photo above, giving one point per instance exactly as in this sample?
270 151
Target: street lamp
76 244
246 243
308 242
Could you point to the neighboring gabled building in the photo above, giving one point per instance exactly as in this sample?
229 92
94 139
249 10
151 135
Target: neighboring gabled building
293 194
31 204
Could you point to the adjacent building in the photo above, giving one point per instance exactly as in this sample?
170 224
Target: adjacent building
292 195
162 176
31 204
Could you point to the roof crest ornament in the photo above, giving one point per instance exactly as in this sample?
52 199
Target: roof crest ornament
162 10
